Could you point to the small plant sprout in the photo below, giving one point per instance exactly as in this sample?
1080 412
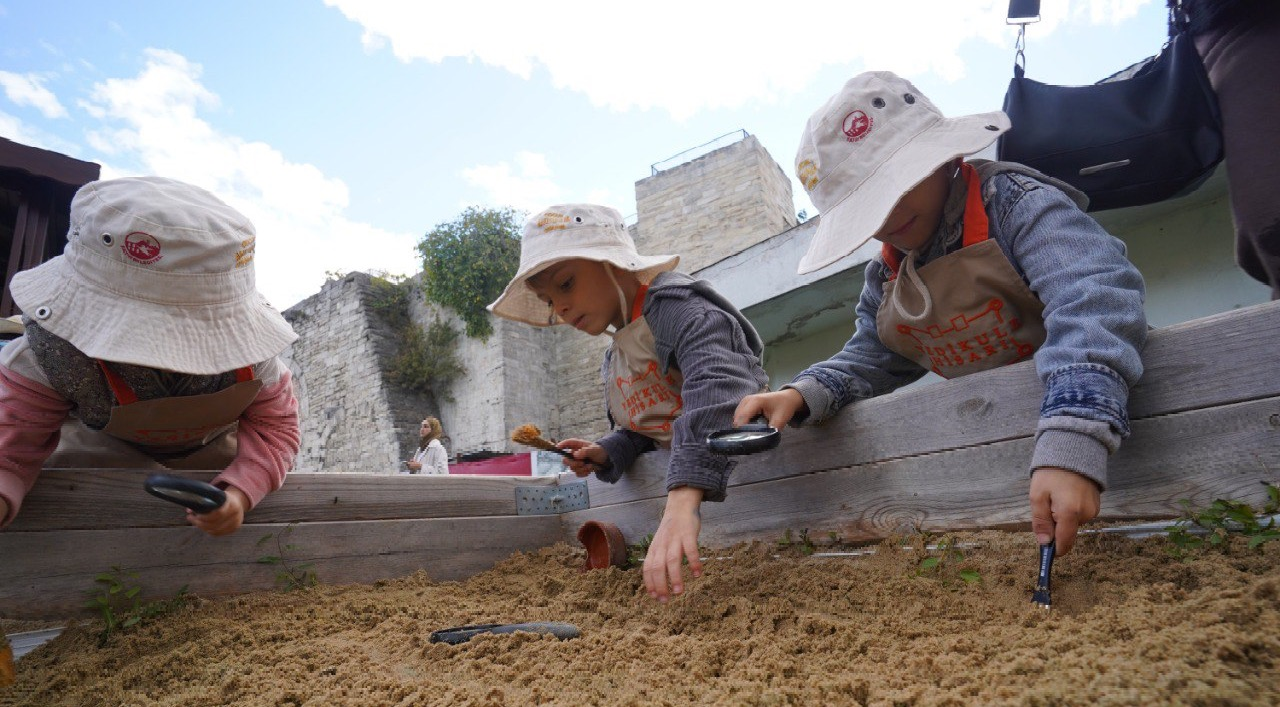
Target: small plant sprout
290 574
803 541
118 602
636 553
1210 526
946 562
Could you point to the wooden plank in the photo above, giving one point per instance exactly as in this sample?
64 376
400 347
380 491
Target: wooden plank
1204 363
1200 455
51 574
65 499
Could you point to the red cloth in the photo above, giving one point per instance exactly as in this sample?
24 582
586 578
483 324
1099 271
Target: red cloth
513 465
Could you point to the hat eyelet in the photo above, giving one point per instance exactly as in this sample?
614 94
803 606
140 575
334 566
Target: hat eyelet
577 219
992 128
42 313
108 240
909 98
877 102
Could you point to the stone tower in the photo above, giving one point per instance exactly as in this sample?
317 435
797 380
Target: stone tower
714 206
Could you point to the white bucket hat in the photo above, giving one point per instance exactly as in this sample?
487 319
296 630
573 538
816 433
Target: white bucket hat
156 273
564 232
868 146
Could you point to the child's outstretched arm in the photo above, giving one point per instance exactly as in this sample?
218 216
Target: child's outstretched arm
1095 328
864 368
709 347
267 443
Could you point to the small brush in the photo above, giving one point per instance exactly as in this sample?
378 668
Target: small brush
1041 597
531 436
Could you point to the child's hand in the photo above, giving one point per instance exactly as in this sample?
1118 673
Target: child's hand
676 539
1060 501
583 452
225 520
413 466
777 407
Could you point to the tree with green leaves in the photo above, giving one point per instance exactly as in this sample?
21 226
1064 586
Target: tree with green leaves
468 261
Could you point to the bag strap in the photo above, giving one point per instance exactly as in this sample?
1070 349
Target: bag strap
1179 21
1022 13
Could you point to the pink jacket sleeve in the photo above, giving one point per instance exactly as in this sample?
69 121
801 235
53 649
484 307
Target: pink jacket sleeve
268 441
31 417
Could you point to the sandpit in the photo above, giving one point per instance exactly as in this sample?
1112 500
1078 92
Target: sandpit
766 625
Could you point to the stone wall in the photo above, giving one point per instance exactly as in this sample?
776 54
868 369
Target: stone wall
714 206
506 384
345 416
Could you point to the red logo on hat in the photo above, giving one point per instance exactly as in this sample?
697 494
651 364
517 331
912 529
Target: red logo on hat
856 126
141 248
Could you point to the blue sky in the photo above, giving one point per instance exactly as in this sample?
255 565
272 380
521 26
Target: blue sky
346 129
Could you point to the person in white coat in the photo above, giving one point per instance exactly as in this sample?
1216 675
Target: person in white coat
431 457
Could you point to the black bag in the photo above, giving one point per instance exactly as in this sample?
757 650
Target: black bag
1149 133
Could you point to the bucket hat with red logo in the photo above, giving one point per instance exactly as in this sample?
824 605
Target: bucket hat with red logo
156 273
868 146
565 232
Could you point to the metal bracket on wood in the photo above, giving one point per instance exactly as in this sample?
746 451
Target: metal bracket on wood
548 500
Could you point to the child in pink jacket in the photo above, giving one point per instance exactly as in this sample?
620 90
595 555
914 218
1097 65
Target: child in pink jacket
147 345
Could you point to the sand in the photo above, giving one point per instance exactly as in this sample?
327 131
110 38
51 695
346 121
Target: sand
766 625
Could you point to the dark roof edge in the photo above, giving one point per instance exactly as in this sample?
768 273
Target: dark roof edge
47 164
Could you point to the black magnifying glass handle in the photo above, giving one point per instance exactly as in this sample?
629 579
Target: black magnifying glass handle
196 495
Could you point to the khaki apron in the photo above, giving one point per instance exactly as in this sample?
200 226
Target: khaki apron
185 432
641 397
965 312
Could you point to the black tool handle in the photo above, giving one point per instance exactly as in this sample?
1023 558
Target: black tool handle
569 455
1046 566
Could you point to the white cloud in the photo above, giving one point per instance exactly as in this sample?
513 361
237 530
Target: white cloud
29 90
527 185
684 57
16 130
152 124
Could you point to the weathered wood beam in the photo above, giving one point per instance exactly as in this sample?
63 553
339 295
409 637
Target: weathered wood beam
1199 455
51 574
977 431
65 499
1218 360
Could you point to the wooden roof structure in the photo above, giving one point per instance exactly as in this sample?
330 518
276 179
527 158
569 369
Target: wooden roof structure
36 187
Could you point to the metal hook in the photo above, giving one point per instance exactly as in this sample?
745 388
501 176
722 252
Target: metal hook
1019 57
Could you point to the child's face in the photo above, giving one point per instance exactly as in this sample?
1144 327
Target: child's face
581 294
916 216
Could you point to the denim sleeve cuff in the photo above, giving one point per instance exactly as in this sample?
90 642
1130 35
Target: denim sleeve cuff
693 465
816 397
1089 391
1073 451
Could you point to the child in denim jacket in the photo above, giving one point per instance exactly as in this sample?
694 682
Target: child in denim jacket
983 264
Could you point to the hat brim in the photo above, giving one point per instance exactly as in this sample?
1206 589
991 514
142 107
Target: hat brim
519 303
852 222
199 339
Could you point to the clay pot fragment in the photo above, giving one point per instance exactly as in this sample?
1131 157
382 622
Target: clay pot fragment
604 543
8 671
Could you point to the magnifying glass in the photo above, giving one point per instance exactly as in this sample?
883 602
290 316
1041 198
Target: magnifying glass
748 439
196 495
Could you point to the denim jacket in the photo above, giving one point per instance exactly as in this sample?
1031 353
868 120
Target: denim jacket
1093 315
